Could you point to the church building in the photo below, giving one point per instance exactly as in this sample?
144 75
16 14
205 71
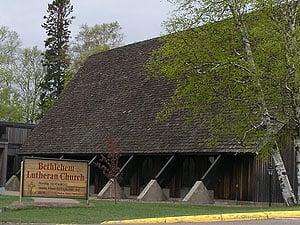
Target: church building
112 96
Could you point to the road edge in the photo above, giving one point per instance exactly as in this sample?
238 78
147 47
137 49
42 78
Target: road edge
212 218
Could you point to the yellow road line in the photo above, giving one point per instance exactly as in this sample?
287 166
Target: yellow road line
213 218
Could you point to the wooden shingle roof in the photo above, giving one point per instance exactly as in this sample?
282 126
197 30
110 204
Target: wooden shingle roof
112 96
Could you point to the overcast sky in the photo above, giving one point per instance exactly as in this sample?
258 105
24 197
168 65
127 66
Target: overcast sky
140 19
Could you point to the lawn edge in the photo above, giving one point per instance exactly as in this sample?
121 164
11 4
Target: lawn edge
264 215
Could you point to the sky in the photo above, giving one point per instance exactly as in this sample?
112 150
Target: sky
139 19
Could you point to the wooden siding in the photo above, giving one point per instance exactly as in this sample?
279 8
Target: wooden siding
17 135
261 179
146 168
241 177
189 169
234 180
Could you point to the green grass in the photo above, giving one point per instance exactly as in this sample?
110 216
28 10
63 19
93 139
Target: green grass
106 210
5 201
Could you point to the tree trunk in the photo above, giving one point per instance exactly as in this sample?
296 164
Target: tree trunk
290 11
297 152
287 192
237 11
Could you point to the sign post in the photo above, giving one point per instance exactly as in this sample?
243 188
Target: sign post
41 177
21 181
88 186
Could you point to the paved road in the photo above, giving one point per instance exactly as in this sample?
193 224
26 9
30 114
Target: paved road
256 222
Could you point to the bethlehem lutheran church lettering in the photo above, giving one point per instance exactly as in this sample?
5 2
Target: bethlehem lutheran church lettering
55 178
54 166
64 175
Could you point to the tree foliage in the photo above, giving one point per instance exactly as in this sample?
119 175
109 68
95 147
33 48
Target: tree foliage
29 74
109 163
21 71
237 66
238 72
91 40
56 59
9 48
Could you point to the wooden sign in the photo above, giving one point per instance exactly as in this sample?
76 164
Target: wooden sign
55 178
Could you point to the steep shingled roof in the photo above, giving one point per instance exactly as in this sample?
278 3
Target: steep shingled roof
112 95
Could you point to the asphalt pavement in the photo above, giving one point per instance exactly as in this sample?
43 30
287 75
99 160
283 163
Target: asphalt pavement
253 222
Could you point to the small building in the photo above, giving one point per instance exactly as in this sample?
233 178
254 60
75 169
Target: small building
112 96
12 136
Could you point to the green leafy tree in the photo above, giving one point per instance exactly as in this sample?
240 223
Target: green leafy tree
10 108
56 58
238 59
29 75
91 40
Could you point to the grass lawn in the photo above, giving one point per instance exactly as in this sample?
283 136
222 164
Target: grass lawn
106 210
8 200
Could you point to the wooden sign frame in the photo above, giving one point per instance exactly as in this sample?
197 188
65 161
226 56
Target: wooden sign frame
23 169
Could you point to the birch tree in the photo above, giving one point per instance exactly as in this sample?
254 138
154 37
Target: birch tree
9 47
94 39
21 71
29 74
239 60
284 19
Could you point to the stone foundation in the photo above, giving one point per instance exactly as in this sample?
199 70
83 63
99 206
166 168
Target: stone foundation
13 184
199 194
108 191
152 192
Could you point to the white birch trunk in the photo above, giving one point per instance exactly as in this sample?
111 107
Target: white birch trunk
290 37
286 189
